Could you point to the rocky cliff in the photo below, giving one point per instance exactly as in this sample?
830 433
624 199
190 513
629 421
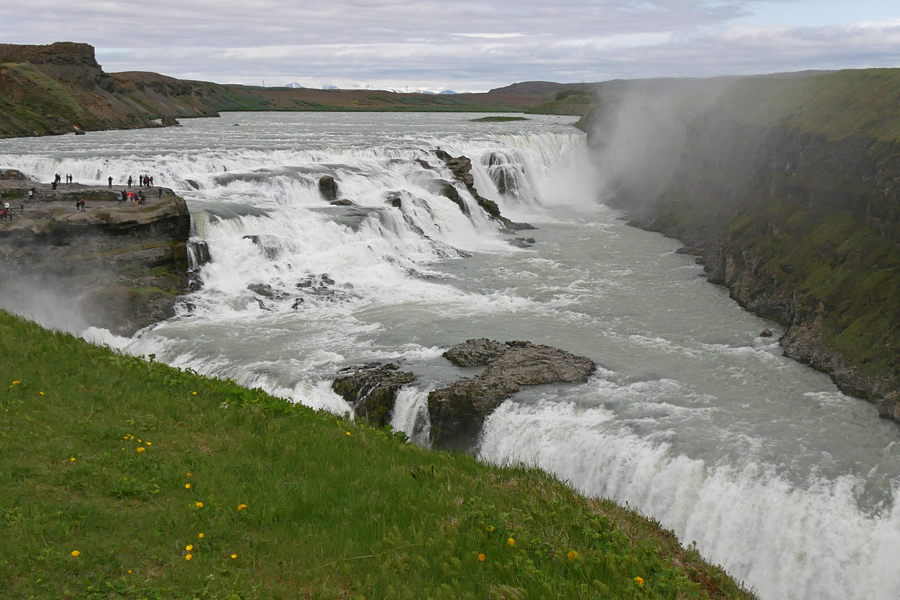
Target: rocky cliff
788 188
116 265
60 88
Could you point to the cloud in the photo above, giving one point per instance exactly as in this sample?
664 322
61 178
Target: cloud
465 45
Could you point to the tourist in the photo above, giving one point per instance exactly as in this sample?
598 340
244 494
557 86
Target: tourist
110 182
129 181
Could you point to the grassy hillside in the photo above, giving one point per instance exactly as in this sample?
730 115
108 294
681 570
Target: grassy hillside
121 478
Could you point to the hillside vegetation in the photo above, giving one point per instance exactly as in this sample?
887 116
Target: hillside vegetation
122 478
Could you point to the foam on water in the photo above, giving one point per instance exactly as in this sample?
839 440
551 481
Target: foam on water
785 541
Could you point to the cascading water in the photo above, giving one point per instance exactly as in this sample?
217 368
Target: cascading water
692 418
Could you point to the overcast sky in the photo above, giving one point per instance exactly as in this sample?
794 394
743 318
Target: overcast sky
462 45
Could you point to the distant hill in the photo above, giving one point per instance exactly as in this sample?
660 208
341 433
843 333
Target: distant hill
57 88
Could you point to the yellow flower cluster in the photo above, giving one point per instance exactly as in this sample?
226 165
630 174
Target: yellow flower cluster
639 581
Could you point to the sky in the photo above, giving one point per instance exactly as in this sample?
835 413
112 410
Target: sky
463 45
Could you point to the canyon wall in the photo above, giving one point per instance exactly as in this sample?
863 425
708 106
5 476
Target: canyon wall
788 189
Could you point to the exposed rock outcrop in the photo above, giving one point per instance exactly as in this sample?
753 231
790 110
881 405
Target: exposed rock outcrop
328 188
458 411
461 167
371 389
115 265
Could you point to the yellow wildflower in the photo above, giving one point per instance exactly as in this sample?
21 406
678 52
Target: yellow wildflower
188 474
188 556
72 459
41 393
242 506
489 528
481 557
233 556
348 433
511 542
193 393
149 443
198 505
200 535
639 581
129 571
187 486
189 547
16 382
140 449
76 553
572 555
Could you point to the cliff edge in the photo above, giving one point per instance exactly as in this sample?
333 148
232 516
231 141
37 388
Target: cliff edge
111 264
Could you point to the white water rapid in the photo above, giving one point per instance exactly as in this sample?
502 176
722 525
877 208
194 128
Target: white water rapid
691 418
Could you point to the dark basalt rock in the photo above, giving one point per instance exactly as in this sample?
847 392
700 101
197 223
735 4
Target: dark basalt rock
328 188
458 411
461 166
371 389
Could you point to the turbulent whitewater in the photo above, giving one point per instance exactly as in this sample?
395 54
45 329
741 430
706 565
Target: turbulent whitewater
691 418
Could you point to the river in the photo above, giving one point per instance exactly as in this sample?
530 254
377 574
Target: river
691 418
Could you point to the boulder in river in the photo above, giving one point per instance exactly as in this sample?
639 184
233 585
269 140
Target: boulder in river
458 411
371 389
328 187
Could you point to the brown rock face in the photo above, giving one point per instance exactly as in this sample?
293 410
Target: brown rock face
371 389
114 265
458 411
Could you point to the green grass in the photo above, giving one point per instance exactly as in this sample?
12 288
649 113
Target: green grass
122 478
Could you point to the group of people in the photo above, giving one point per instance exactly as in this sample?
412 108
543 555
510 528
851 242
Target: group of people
5 212
57 179
79 205
145 181
134 198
